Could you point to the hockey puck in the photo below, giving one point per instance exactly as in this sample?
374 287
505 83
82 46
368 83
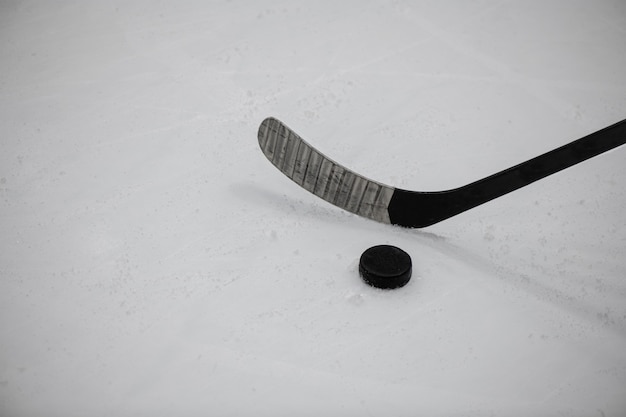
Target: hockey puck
385 266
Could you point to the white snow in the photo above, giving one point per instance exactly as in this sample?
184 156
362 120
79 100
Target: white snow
153 262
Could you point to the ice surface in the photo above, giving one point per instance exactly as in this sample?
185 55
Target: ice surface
152 262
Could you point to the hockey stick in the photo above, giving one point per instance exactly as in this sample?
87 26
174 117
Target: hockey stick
331 181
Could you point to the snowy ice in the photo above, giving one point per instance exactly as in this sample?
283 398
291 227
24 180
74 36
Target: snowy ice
153 262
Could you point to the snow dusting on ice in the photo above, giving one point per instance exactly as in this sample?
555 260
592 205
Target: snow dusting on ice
152 261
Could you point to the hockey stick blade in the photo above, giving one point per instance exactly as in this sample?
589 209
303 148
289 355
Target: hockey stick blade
338 185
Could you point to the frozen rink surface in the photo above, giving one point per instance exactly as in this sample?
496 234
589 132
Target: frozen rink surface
154 263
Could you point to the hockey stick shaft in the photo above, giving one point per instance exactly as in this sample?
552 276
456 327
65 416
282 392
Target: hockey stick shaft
437 206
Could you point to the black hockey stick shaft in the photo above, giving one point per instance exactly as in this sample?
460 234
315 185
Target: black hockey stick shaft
421 209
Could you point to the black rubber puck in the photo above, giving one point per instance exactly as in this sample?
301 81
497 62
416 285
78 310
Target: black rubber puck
385 266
